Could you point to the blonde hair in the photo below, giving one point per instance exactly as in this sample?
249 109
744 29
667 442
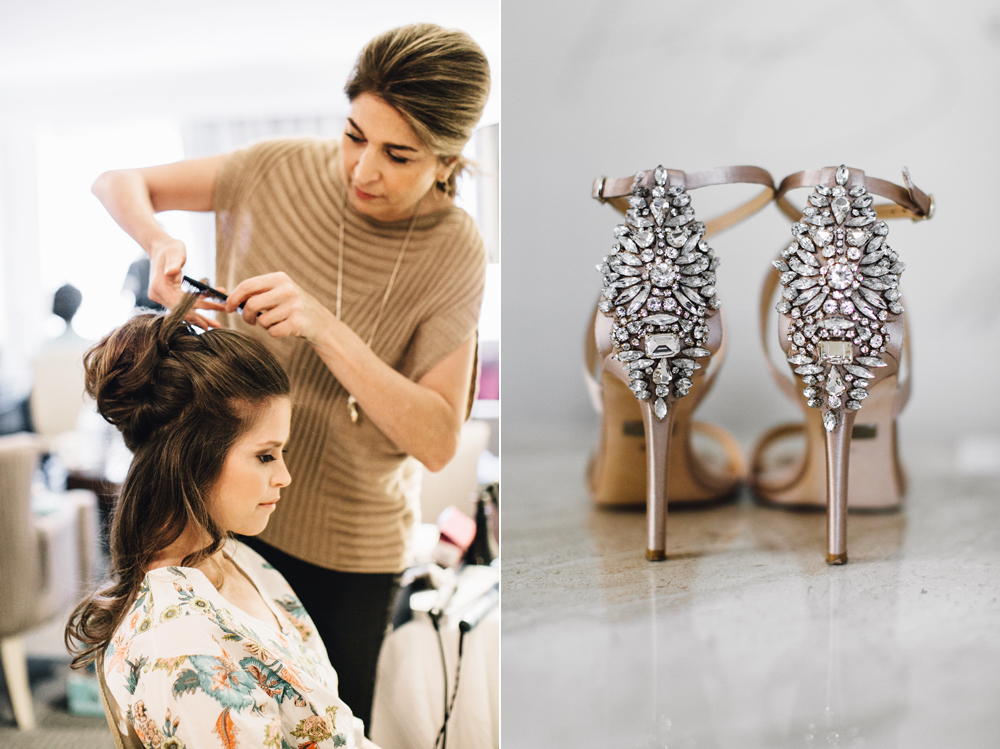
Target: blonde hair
438 79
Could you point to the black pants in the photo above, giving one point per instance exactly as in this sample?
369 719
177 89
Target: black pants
351 611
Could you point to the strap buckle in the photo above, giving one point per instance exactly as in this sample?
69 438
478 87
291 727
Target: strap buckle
599 189
930 211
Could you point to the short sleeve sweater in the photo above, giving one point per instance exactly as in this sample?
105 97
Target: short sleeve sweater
279 205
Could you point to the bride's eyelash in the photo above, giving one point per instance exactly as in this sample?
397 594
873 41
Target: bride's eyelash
267 457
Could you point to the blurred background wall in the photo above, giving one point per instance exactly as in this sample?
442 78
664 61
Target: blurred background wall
606 89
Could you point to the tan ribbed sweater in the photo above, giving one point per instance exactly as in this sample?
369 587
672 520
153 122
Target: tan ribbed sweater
354 495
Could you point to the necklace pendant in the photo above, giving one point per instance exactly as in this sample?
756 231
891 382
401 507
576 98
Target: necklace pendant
352 408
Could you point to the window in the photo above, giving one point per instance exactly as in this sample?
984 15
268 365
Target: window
79 243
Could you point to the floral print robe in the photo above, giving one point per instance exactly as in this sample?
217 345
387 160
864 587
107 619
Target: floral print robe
191 670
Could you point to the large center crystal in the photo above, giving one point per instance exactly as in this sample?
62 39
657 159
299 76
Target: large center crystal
836 352
662 345
663 275
840 276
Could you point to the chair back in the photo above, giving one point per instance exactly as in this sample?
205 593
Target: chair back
121 730
19 554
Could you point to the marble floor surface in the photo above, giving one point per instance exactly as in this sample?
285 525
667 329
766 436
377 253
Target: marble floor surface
745 637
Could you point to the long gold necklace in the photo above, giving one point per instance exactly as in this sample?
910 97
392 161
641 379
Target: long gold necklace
352 402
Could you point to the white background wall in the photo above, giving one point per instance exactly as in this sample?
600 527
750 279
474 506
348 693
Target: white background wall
596 88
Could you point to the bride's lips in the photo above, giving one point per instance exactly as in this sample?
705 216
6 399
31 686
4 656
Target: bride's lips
362 195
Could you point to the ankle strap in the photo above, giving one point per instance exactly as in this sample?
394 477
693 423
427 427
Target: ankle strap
910 202
615 190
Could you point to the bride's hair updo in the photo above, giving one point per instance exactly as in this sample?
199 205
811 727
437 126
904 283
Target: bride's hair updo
181 400
438 79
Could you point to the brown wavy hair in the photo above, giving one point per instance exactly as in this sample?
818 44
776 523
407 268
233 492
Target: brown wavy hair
181 400
438 79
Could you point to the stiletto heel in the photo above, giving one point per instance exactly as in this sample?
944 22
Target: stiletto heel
843 332
658 333
658 433
838 455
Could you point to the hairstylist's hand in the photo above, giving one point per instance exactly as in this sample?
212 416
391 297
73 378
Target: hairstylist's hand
166 271
276 303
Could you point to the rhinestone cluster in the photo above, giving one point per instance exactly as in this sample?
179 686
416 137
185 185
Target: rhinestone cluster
841 286
659 288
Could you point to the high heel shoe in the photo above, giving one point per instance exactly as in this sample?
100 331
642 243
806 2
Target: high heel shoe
843 332
658 332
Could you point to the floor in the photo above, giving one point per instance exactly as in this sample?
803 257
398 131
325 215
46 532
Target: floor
745 637
48 669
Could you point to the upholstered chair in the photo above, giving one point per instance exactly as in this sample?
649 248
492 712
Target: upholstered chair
47 552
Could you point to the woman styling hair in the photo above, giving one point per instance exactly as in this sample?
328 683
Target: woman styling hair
197 634
358 271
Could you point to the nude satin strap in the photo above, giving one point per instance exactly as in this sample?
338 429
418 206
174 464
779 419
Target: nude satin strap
615 190
909 202
787 385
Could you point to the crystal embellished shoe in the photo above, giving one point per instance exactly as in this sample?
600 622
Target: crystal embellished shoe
658 333
842 330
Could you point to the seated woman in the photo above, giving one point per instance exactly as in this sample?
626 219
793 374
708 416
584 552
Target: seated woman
200 641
